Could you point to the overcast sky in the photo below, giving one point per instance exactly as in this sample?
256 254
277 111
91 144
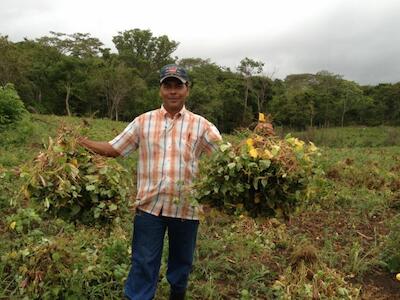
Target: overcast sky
358 39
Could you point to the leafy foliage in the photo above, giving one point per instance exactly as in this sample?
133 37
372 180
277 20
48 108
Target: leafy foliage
70 182
24 220
264 176
12 109
70 265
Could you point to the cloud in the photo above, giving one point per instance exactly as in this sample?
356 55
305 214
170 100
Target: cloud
353 38
360 43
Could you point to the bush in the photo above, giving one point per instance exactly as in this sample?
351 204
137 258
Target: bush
69 182
264 176
12 109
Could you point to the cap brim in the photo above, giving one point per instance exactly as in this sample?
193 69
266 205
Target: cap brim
173 76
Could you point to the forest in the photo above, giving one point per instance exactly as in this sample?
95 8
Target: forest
76 75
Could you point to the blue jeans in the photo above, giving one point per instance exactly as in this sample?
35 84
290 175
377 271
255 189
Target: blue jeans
147 246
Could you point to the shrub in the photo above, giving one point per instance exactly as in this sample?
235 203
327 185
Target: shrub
70 182
12 109
264 176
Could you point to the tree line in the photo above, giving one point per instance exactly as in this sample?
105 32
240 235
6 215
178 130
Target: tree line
74 74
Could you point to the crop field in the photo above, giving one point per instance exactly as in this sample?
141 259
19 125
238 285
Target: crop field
342 243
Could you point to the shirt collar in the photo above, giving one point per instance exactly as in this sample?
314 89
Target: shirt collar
164 112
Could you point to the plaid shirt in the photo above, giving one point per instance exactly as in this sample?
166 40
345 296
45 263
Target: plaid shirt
169 152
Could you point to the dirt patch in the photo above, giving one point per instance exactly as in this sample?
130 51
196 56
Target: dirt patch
379 286
322 225
333 174
318 225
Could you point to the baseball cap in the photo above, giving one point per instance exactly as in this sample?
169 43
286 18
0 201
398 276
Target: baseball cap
173 70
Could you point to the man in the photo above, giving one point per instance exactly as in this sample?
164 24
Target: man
170 142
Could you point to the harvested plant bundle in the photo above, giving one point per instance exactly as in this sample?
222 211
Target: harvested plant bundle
263 176
70 182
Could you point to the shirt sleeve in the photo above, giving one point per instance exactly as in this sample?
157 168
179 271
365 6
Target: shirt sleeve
210 138
128 140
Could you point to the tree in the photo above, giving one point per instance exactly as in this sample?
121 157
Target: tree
80 45
38 90
141 50
69 75
193 62
12 64
352 98
204 96
116 81
386 103
247 68
232 99
262 88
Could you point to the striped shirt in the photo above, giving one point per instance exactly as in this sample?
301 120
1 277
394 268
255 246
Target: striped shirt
169 152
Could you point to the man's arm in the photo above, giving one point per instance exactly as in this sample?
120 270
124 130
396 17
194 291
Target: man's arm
211 138
101 148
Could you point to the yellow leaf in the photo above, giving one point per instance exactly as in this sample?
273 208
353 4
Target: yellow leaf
250 142
275 150
268 154
261 117
298 142
13 224
253 153
312 147
258 138
23 270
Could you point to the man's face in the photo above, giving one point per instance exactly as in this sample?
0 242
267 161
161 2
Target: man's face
173 93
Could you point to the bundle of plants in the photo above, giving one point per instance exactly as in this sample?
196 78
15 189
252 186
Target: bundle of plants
260 176
68 181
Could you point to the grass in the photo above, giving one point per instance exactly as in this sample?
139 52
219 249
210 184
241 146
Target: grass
333 247
352 136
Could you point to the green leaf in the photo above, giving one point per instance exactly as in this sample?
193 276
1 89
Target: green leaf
112 207
264 182
58 149
90 187
264 164
231 165
255 183
56 256
252 165
225 147
75 209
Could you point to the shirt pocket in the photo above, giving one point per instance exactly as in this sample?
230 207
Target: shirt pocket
188 146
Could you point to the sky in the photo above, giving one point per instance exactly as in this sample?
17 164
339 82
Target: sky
357 39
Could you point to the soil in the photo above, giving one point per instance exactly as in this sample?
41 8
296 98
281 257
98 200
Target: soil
380 286
344 229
